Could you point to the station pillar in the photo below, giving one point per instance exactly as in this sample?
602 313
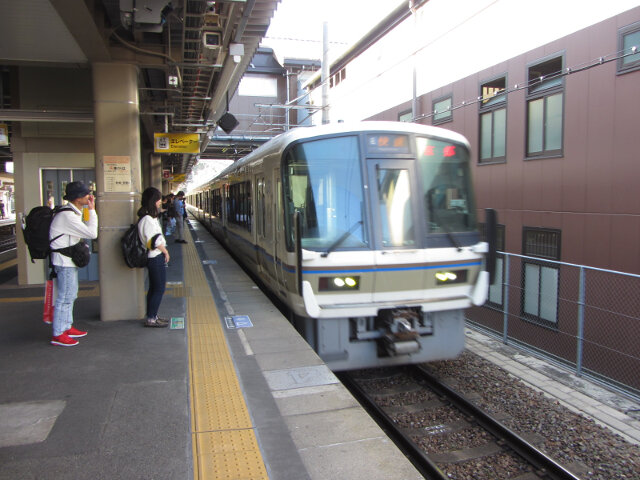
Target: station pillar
119 185
156 171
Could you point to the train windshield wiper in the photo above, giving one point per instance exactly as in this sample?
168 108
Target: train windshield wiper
341 239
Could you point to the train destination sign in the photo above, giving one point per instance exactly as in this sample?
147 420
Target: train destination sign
387 143
176 143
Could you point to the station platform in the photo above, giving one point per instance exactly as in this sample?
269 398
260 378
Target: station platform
230 391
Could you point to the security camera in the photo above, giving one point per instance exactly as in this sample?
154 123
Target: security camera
211 40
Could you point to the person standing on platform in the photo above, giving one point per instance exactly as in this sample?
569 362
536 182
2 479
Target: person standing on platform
68 228
164 215
180 210
150 233
1 208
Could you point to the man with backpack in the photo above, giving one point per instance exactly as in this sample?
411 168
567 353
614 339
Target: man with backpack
68 229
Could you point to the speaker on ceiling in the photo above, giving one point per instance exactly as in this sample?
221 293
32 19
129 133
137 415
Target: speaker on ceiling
227 122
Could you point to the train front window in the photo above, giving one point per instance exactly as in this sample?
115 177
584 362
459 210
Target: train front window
446 183
323 181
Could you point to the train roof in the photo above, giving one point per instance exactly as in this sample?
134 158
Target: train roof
277 144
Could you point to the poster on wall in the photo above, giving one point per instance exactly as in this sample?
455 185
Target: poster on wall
117 173
4 135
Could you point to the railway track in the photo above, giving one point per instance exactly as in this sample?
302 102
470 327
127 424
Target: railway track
445 435
7 237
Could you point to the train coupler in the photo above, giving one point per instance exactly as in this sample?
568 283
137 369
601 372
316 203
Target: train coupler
400 337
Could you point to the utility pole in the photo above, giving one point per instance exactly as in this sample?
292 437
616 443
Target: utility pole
325 73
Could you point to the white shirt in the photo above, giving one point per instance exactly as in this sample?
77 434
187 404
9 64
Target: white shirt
73 229
147 229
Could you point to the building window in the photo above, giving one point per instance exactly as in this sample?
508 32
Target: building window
337 78
545 109
493 121
442 111
628 39
496 288
540 279
406 116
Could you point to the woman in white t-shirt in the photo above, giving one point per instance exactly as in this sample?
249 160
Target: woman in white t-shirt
150 232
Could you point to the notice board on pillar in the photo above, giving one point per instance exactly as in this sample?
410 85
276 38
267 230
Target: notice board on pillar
117 173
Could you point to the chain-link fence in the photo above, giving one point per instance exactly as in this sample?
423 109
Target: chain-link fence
586 318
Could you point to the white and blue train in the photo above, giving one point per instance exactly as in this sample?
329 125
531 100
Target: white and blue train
367 232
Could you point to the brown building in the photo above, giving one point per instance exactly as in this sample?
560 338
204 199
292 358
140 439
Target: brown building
556 143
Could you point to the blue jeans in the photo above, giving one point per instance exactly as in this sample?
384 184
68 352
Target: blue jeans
67 286
157 280
180 227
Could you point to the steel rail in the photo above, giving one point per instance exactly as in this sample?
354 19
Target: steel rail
548 468
414 453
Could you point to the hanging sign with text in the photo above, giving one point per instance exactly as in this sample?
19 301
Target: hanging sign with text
176 143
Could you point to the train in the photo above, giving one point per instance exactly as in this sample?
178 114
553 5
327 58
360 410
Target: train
366 232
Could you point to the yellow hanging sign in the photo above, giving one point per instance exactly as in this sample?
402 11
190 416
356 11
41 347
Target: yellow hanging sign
176 143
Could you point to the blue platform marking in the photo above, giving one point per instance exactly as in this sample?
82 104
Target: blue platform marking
238 321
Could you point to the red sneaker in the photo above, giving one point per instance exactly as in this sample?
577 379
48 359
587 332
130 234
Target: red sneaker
75 333
64 340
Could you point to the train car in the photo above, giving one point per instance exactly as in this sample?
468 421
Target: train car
366 232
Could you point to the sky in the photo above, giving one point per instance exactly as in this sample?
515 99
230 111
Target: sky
296 27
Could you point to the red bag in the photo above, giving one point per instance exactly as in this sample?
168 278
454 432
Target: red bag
47 314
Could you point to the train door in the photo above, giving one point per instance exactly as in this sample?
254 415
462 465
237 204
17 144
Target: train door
280 248
398 229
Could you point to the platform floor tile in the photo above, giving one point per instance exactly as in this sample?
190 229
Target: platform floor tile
224 440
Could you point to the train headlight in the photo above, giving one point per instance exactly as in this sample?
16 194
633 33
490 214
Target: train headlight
350 282
451 276
338 283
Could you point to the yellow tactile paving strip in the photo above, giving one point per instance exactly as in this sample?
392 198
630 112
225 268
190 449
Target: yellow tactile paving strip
224 442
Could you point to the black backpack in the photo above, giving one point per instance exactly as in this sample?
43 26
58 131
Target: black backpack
36 231
133 250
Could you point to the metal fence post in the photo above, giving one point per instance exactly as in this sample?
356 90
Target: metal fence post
580 338
505 300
